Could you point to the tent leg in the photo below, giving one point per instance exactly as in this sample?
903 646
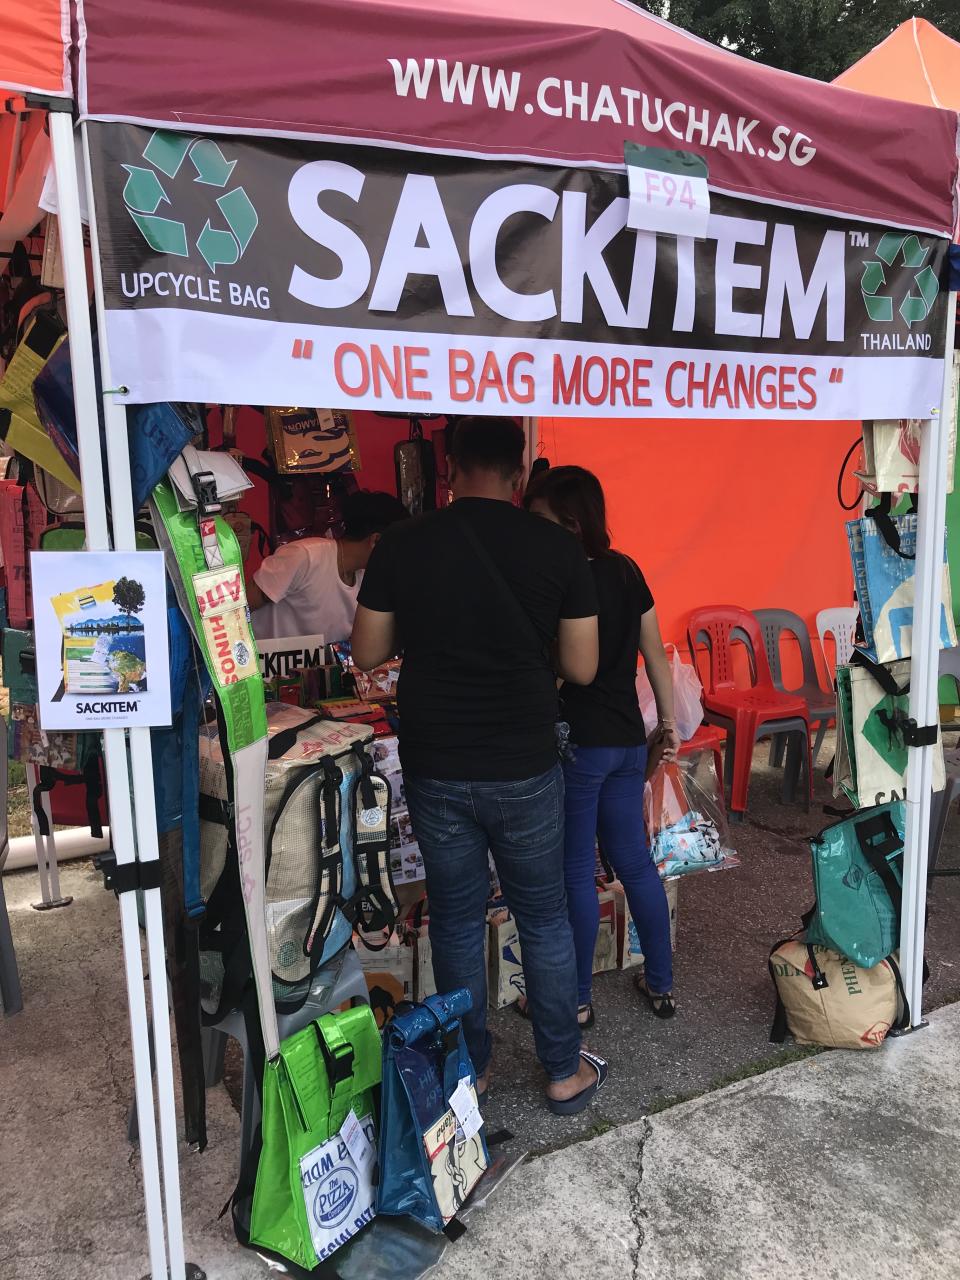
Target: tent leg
32 782
924 673
115 747
124 536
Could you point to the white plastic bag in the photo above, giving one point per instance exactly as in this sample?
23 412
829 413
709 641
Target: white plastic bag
687 695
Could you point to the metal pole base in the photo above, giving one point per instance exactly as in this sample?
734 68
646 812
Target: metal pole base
49 906
908 1031
191 1272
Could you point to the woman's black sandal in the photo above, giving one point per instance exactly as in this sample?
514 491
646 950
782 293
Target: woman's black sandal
661 1003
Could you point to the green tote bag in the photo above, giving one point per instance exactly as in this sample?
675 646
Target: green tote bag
315 1179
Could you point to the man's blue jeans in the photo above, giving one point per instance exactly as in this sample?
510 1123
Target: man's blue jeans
604 797
521 823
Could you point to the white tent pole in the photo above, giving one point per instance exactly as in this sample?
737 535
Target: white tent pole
124 534
32 779
924 673
115 748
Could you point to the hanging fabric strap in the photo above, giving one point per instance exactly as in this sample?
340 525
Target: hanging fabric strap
878 839
882 516
214 603
374 906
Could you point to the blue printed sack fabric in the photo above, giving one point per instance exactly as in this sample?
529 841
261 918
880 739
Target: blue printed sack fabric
884 581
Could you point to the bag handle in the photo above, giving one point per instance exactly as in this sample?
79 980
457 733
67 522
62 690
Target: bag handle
337 1053
881 516
507 595
878 837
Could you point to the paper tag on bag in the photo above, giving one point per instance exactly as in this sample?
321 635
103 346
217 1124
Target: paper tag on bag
463 1104
360 1146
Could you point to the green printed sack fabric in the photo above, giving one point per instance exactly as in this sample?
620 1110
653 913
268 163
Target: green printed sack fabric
315 1178
872 756
215 604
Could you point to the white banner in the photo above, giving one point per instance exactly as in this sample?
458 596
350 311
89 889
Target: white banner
236 360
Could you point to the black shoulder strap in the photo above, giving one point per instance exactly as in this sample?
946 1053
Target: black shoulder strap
884 521
878 837
513 605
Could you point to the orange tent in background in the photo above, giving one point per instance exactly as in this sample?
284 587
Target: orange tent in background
916 63
33 59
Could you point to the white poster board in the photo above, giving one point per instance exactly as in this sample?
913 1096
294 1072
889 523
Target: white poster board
101 639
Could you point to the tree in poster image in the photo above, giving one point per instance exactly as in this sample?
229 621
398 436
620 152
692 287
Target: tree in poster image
128 595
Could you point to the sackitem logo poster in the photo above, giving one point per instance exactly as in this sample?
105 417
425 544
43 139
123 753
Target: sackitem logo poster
101 639
277 271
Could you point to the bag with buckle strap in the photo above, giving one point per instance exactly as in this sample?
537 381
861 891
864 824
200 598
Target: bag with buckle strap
824 998
309 1185
857 877
876 732
433 1151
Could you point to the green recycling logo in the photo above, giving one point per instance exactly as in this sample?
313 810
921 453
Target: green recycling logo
879 301
144 194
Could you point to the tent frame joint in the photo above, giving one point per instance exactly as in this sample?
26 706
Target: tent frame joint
127 877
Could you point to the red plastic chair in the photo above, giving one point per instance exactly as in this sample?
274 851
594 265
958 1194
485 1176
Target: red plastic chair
746 713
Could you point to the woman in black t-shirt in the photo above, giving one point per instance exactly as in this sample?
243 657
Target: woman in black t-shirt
605 781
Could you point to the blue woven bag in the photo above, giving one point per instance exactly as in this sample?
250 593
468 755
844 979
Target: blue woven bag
428 1164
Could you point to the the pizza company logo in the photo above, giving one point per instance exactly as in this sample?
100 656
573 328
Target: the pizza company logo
903 255
144 195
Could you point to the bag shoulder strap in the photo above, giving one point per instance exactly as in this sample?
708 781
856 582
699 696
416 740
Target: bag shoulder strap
878 837
507 594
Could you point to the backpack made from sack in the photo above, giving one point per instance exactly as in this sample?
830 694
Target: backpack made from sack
327 864
824 998
857 877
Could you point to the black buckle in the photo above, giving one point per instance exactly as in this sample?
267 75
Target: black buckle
338 1061
127 877
205 489
916 736
820 980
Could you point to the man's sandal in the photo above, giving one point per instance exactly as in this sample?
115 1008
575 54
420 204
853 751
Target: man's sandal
662 1003
580 1101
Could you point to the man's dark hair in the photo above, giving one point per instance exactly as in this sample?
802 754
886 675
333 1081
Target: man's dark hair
488 444
366 512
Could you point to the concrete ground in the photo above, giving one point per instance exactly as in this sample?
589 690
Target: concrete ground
70 1196
841 1167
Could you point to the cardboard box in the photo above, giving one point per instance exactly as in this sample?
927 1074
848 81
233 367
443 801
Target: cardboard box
628 943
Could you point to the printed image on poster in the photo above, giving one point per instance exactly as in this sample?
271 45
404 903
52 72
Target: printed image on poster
101 639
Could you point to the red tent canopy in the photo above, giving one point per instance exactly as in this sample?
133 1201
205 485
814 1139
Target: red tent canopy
555 80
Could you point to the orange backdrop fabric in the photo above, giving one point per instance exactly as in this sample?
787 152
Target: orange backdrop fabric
721 512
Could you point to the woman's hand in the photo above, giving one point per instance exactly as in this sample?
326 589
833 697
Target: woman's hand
668 740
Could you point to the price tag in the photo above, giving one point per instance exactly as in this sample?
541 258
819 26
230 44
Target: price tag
668 191
463 1104
358 1144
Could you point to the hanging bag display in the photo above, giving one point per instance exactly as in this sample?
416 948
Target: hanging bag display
432 1147
875 733
824 998
310 1184
857 878
416 473
883 550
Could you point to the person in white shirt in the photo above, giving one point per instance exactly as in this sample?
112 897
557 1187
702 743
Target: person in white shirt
310 587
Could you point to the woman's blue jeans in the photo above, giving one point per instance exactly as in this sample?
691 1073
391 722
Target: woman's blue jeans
604 798
521 823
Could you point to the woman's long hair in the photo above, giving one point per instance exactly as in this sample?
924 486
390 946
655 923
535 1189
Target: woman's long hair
575 496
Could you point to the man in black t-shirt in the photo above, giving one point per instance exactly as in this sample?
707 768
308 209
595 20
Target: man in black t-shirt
479 596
